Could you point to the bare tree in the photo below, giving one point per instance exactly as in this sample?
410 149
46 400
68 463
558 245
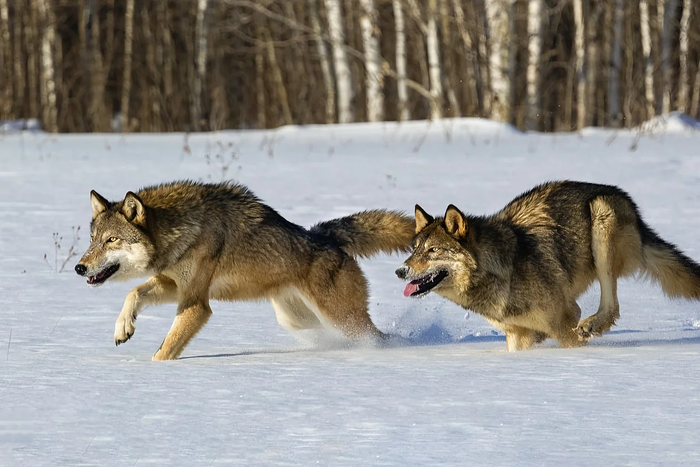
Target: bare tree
473 72
326 70
645 29
19 79
534 29
201 64
48 84
667 18
126 80
592 60
96 115
616 64
373 61
343 75
429 30
403 111
683 102
695 104
498 18
277 75
6 111
579 47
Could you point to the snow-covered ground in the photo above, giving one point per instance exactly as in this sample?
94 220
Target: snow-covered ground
248 393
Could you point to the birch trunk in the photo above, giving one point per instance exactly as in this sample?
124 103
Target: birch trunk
201 65
343 75
534 29
579 46
615 65
403 113
683 103
645 29
325 61
667 19
373 61
126 80
433 45
48 83
5 59
498 37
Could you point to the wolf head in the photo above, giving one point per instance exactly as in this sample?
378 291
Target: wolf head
442 260
119 248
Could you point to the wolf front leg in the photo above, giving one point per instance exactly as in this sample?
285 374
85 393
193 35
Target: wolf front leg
191 317
155 291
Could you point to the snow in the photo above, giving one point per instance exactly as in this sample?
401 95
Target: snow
248 393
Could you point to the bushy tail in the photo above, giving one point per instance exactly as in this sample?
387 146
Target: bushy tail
368 232
678 275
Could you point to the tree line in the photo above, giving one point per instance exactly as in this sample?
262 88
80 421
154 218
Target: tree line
196 65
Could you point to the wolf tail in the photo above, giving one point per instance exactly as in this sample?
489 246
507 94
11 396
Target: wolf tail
678 275
368 232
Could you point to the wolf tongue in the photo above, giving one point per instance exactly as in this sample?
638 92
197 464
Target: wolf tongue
410 289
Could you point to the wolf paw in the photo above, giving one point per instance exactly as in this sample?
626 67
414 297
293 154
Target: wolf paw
123 329
587 330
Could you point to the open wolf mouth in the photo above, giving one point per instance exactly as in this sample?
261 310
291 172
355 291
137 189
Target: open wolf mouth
425 284
103 275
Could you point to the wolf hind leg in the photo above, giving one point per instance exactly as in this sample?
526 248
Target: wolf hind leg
337 293
190 318
292 313
616 250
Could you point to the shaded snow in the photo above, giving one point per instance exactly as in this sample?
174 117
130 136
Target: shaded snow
248 393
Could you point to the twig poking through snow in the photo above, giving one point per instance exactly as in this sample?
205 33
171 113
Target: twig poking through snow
88 446
54 326
9 341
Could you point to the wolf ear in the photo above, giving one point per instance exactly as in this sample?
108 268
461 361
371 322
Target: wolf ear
422 218
455 223
99 204
134 210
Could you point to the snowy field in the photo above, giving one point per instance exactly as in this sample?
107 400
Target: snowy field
246 392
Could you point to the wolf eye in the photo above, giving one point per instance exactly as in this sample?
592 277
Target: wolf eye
112 239
433 250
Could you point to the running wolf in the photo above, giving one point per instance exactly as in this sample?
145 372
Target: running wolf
524 267
219 241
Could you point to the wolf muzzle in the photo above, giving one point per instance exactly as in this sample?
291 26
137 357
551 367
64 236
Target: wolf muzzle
80 269
402 272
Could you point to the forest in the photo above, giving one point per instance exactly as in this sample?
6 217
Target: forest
208 65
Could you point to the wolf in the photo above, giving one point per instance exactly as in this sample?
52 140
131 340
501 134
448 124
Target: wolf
202 241
524 267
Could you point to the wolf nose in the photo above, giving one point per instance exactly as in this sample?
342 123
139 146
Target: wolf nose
80 269
401 272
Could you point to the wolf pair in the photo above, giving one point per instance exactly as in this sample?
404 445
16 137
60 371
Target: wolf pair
521 268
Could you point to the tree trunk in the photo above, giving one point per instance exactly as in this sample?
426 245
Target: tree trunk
6 107
260 99
616 65
126 80
592 59
534 29
696 95
448 64
433 45
579 46
18 60
48 83
201 65
277 75
31 34
403 113
326 70
498 35
343 75
473 73
151 85
373 61
683 102
668 19
96 115
645 29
